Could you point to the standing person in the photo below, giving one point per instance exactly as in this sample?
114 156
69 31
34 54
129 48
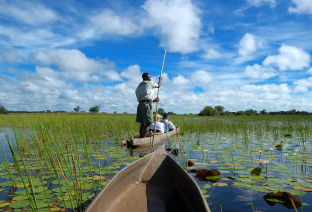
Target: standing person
169 126
145 97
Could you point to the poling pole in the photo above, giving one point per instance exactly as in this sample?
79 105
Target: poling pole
162 66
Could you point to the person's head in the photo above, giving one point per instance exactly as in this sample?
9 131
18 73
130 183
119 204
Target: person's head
158 117
165 116
146 76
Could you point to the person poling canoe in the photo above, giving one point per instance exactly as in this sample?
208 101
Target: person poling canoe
145 97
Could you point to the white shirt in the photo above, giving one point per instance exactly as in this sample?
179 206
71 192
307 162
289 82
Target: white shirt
169 123
145 90
159 126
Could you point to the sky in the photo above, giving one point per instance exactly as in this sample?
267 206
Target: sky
240 54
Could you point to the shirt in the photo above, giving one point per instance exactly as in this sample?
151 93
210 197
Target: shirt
145 90
159 126
168 124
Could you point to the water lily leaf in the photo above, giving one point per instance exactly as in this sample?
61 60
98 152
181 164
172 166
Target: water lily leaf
301 176
206 186
275 200
20 197
4 204
19 204
256 171
220 184
301 188
203 191
242 185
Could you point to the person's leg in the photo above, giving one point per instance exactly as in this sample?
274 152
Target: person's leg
146 132
142 130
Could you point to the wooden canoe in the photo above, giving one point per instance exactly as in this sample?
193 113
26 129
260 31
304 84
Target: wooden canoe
154 183
136 141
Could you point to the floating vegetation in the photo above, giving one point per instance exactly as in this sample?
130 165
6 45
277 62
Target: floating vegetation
61 162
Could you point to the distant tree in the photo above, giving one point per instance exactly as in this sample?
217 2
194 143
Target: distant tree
250 112
208 111
161 110
240 112
3 110
48 111
264 112
76 109
292 112
94 109
171 113
219 109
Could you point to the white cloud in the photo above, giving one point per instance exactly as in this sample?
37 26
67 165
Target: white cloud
304 82
258 3
302 6
111 23
300 89
201 77
180 80
248 45
132 73
289 58
10 56
76 65
211 54
177 21
29 13
259 72
267 88
309 71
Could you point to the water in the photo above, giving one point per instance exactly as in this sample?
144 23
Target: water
234 156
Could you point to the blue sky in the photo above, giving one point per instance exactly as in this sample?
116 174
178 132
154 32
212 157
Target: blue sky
241 54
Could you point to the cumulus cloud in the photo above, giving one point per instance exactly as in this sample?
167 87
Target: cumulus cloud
302 6
304 82
111 23
76 66
259 72
201 77
309 71
180 81
289 58
177 21
248 45
211 54
300 89
26 12
258 3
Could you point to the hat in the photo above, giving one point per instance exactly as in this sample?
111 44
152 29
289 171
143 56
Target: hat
158 116
165 115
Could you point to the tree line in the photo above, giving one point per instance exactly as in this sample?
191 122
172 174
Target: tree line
220 110
93 109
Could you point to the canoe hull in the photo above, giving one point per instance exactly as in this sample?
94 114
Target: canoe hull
158 138
154 183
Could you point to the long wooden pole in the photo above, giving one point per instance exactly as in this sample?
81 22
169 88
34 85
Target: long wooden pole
162 66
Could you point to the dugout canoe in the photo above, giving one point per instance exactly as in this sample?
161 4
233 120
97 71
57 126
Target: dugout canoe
154 183
136 141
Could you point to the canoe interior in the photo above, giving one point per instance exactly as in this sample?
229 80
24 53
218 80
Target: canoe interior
153 183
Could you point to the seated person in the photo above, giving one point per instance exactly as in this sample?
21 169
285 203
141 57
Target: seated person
169 126
160 127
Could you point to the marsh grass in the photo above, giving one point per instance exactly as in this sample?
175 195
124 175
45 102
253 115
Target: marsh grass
81 151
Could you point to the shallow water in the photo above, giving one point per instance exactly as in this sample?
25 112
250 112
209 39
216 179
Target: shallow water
234 156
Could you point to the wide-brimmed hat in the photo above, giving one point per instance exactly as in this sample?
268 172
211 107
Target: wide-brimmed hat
158 116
